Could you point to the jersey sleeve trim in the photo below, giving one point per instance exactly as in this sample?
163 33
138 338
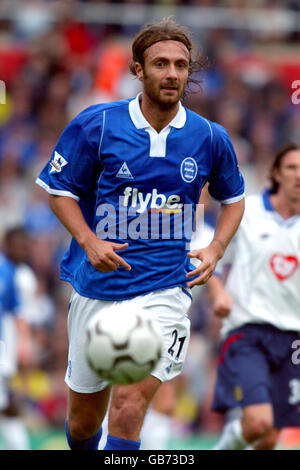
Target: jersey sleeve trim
55 192
231 200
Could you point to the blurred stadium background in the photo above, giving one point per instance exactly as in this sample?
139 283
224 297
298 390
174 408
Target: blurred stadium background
58 57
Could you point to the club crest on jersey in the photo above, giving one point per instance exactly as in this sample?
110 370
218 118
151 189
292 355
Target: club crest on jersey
57 163
124 172
188 170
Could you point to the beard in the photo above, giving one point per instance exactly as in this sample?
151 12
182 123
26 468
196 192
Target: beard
158 92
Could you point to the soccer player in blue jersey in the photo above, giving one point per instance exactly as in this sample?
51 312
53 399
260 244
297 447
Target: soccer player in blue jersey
9 303
14 337
119 172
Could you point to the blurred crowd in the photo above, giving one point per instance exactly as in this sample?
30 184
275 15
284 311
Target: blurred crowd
53 70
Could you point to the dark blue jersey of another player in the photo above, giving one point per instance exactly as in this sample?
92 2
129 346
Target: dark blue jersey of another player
138 186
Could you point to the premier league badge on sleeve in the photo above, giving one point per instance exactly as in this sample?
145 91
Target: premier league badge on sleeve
57 163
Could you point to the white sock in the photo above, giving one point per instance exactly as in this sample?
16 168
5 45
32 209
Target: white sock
232 437
14 433
156 431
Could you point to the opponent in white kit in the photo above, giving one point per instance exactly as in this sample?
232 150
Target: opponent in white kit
259 362
119 173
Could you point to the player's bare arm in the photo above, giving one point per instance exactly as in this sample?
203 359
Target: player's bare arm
25 351
102 254
220 300
227 225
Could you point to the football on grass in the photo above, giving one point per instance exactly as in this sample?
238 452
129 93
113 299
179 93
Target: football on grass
122 346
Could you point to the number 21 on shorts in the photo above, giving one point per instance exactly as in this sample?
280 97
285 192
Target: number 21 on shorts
177 344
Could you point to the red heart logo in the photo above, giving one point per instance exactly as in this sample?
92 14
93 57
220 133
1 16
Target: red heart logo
283 266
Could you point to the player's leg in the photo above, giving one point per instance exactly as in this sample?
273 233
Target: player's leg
156 429
164 400
88 394
129 404
244 382
284 382
268 442
85 414
257 422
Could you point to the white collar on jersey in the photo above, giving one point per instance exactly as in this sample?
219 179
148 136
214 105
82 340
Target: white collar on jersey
141 122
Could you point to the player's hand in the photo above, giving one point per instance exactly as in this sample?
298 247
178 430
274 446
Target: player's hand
209 257
222 304
102 255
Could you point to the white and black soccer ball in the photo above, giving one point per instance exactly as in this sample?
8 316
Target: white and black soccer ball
122 346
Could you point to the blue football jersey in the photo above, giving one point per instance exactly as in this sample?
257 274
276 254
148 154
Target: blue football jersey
9 299
138 186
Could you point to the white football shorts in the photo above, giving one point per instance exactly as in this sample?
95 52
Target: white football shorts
168 307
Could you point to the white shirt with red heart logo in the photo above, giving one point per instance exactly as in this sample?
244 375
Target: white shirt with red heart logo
283 266
264 280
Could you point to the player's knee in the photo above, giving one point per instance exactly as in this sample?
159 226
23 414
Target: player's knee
269 442
256 427
129 418
128 413
80 429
